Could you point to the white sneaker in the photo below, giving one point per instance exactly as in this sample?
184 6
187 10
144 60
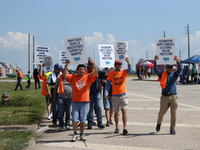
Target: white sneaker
74 138
82 137
60 128
49 117
67 128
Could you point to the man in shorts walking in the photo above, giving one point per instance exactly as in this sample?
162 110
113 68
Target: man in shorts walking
119 98
80 96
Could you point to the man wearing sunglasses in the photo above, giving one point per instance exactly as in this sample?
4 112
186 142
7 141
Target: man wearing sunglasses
169 96
119 97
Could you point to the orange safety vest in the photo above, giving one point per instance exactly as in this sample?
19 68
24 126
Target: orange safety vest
20 74
163 80
61 88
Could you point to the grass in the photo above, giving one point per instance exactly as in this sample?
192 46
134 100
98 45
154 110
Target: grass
14 140
25 108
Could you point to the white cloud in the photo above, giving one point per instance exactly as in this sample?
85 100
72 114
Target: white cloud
14 41
110 39
96 38
152 46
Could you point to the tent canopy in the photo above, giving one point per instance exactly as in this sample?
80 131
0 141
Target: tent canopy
189 60
196 60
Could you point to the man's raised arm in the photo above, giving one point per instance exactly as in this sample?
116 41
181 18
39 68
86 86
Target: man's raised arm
65 69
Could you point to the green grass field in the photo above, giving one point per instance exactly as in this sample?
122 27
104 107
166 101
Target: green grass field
25 108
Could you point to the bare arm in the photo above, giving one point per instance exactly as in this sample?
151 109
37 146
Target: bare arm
95 67
48 93
39 72
65 69
109 70
43 73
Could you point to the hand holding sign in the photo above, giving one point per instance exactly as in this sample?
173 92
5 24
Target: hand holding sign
156 58
67 62
176 59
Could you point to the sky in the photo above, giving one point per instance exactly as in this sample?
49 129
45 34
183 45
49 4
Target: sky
101 22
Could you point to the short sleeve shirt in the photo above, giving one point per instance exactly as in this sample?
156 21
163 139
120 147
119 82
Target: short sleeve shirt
118 79
80 86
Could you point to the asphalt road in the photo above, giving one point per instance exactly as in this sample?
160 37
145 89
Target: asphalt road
143 107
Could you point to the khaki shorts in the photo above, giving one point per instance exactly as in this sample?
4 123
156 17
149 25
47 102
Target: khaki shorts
118 101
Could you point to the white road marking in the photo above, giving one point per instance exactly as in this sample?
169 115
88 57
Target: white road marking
152 98
163 124
80 144
145 108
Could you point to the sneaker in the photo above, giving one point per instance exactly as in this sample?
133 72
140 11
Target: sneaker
67 127
60 128
125 131
54 124
108 124
89 127
74 138
94 123
172 132
101 126
111 122
49 117
158 127
116 131
82 137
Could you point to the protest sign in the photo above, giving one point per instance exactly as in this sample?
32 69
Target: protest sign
40 53
62 58
106 55
76 50
121 50
165 50
48 63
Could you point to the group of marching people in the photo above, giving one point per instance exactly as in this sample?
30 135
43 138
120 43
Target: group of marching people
82 92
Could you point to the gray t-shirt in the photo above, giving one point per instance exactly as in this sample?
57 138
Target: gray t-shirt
67 89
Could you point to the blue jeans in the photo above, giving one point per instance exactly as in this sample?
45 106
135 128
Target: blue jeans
54 107
95 101
64 105
37 81
80 111
18 84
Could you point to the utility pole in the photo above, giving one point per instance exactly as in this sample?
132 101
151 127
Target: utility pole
164 34
29 53
188 40
33 52
94 56
132 62
147 57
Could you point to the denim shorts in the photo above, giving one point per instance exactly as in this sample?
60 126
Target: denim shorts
107 103
80 111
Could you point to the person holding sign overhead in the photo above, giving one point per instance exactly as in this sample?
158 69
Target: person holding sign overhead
80 96
169 98
119 98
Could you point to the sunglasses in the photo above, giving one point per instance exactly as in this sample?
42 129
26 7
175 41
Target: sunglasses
117 63
170 67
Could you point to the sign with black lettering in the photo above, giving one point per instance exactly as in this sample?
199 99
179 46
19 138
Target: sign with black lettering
76 50
106 55
165 50
40 53
48 63
62 58
121 50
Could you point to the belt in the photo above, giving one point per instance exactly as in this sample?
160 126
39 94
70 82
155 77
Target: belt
167 94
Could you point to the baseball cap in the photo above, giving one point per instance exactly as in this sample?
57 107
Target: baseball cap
57 66
118 62
168 65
